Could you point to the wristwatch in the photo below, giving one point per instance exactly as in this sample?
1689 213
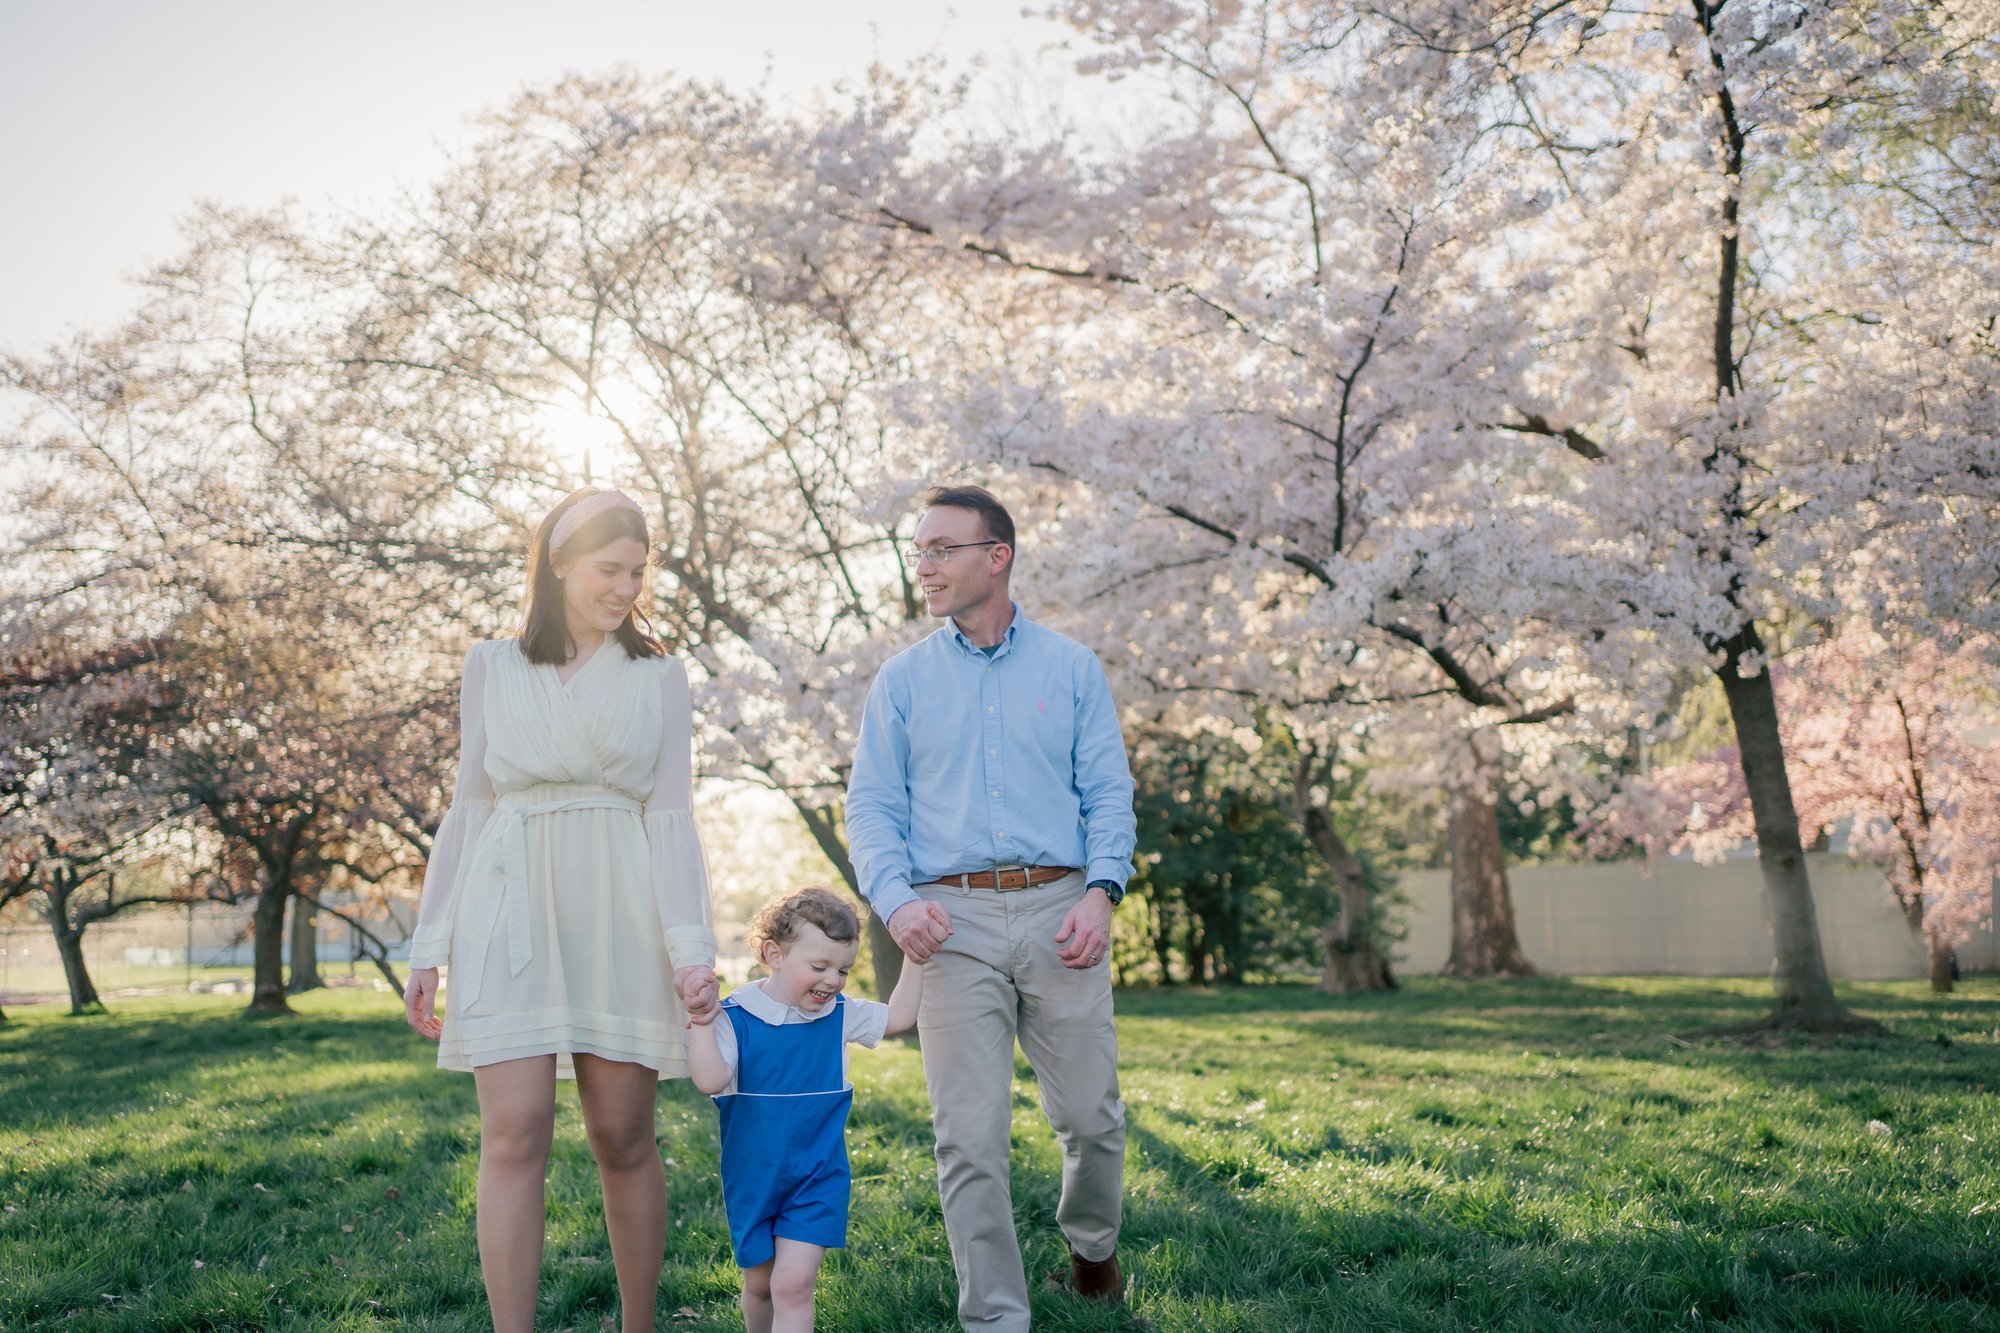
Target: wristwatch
1115 893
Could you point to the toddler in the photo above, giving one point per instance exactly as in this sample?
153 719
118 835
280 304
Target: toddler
776 1063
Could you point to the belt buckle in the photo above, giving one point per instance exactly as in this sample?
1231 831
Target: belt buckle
1027 873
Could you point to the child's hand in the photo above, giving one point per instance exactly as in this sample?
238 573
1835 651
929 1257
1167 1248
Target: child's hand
699 994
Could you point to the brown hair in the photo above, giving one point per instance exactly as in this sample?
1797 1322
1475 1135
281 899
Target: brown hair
998 522
778 921
545 636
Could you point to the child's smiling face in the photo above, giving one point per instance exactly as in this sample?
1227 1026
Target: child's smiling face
811 970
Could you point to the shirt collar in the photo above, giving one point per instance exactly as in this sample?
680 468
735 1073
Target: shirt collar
760 1005
1006 640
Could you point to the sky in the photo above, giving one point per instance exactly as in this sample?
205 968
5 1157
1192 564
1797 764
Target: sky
121 114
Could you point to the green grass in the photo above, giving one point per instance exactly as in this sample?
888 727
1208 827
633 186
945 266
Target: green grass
1532 1155
43 983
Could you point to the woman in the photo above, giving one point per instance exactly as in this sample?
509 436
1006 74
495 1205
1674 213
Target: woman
565 887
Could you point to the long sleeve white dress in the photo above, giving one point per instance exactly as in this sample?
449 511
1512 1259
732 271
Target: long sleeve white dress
567 881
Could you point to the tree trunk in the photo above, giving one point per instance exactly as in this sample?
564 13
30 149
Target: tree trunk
1805 993
1941 958
885 959
1484 942
267 987
305 948
1353 959
82 990
83 997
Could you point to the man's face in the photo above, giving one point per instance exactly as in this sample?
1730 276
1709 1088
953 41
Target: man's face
969 576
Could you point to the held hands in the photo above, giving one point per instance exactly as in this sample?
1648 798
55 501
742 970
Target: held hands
420 1002
699 993
1088 930
919 929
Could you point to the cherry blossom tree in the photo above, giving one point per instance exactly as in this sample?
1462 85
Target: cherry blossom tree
165 523
78 800
1567 292
1729 327
618 284
1281 393
1895 745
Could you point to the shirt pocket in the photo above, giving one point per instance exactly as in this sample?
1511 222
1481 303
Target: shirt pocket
1051 728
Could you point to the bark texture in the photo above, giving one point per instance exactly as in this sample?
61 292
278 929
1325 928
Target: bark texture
1805 992
267 987
1352 957
62 886
1484 942
305 948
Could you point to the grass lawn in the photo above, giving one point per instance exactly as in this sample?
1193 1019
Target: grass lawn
1531 1155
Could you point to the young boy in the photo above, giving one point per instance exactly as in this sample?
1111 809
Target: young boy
776 1065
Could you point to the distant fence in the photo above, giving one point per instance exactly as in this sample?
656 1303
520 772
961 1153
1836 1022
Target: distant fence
1682 918
163 950
1675 917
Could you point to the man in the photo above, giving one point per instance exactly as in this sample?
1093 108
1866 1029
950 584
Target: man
990 822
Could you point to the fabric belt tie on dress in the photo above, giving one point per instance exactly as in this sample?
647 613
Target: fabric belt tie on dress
511 813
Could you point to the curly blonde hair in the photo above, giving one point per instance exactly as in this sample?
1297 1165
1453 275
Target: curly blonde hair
778 921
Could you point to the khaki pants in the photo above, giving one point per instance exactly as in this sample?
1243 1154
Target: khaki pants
998 978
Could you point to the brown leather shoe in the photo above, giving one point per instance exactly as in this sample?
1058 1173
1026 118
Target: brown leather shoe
1097 1281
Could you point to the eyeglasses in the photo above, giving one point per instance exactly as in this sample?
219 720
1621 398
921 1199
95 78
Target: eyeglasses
938 555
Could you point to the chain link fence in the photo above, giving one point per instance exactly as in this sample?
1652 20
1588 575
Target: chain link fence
202 947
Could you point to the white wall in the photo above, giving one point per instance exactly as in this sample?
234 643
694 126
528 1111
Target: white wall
1680 917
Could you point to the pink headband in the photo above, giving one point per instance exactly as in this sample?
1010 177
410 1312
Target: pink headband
588 508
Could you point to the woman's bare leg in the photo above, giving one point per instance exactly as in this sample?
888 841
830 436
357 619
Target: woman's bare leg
618 1101
517 1117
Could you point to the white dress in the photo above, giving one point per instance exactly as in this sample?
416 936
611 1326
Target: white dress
567 881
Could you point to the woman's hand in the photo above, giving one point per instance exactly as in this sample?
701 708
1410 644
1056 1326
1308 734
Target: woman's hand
420 1002
699 993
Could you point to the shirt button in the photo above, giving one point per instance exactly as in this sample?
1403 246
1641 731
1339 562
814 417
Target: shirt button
989 708
993 750
996 791
1001 836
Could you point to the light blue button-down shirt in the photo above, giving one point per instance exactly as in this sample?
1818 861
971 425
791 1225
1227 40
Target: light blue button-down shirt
967 761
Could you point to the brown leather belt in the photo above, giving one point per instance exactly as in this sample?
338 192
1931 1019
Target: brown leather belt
1005 878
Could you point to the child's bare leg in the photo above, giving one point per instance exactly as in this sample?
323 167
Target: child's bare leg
794 1272
757 1297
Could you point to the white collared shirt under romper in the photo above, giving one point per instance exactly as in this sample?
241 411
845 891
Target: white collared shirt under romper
567 882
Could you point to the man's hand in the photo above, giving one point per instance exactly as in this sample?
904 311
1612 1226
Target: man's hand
1088 930
420 1002
919 928
698 991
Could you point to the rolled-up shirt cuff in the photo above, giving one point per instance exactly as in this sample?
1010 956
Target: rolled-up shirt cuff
430 946
690 946
1108 867
896 893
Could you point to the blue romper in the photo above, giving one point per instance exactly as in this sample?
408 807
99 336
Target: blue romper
784 1134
